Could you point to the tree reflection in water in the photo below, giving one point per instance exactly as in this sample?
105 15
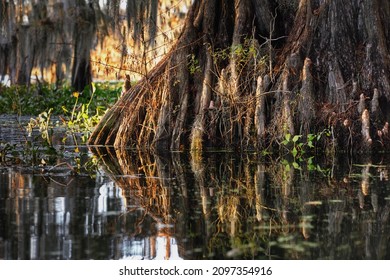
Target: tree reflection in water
218 206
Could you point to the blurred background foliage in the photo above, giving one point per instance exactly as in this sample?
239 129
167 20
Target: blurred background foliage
80 41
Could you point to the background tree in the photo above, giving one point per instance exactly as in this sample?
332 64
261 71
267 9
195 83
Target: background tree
58 37
84 33
247 73
43 34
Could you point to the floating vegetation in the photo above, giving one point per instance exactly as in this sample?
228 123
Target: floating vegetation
35 99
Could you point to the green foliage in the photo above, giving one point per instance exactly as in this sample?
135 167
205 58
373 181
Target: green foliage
37 98
193 64
60 113
87 106
220 55
303 164
82 119
297 145
7 152
42 122
242 53
39 151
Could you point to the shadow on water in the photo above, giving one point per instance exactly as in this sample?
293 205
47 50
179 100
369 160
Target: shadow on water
219 206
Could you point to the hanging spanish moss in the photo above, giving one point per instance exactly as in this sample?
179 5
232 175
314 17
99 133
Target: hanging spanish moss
58 36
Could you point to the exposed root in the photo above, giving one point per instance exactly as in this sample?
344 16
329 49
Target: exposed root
230 102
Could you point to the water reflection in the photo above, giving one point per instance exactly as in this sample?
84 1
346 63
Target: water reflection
219 206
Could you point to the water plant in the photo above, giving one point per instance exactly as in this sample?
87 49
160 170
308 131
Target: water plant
298 145
81 120
57 121
37 98
7 151
43 123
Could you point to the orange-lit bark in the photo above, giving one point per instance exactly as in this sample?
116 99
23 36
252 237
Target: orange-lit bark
317 58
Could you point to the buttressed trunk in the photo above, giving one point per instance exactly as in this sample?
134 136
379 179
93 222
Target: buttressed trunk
245 73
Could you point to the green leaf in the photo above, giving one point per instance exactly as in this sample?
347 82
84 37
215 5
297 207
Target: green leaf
294 152
288 137
296 165
296 138
311 167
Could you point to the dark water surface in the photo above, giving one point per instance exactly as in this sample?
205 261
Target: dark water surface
218 206
222 207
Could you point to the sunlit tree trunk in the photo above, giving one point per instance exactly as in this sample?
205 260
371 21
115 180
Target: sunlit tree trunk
314 59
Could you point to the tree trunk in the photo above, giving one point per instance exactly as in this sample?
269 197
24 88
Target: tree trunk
245 73
84 36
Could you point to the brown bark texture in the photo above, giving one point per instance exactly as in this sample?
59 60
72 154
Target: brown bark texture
246 73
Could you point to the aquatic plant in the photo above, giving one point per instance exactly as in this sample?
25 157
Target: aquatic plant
7 152
298 145
81 120
38 98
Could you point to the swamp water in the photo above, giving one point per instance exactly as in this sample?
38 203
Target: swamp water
220 206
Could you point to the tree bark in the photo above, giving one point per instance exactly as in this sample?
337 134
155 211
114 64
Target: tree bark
243 74
84 37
